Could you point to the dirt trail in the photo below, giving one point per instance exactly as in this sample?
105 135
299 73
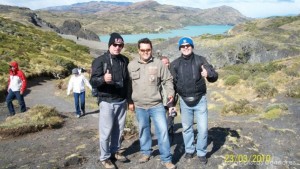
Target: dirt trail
233 142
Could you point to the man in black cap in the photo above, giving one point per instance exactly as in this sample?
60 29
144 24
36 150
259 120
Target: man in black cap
110 77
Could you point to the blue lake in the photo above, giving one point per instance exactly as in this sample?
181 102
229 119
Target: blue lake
186 31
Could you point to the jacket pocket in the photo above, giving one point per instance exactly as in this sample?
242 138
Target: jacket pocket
135 74
152 76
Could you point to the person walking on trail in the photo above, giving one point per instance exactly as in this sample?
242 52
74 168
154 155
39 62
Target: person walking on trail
173 112
147 74
16 87
77 83
189 72
110 77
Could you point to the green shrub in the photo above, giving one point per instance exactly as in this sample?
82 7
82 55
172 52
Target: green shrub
60 48
130 126
294 91
4 67
274 111
242 106
281 106
232 80
132 48
264 89
293 71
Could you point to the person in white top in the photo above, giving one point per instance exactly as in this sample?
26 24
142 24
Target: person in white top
77 83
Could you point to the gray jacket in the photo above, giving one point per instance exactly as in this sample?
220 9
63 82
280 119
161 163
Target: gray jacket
146 80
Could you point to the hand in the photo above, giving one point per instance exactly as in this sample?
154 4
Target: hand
170 101
107 77
131 107
21 92
204 72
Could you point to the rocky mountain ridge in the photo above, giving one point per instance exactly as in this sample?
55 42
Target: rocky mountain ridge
144 17
29 17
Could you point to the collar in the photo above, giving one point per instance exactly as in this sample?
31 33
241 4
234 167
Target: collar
143 62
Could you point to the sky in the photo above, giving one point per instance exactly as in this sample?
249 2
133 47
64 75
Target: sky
250 8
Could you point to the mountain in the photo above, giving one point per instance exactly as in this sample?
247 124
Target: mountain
141 17
87 7
29 17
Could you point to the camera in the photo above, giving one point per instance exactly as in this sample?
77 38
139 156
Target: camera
173 112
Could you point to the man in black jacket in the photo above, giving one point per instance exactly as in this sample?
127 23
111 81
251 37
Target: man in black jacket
189 73
110 77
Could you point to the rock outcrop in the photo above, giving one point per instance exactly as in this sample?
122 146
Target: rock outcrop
73 27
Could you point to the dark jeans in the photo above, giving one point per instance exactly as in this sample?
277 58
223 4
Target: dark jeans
170 123
10 97
80 96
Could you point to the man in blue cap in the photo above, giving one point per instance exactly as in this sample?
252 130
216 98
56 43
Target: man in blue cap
189 73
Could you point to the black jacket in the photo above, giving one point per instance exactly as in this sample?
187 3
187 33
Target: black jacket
117 66
187 78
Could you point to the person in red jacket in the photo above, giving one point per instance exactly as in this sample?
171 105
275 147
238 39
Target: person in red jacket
16 88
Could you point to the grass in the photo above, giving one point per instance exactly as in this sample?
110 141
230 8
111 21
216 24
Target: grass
35 119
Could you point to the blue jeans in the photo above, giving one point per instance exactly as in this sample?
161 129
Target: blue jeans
80 96
10 97
158 117
187 120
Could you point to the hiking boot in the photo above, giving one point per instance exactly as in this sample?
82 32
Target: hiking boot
169 165
118 156
144 158
107 164
202 159
189 155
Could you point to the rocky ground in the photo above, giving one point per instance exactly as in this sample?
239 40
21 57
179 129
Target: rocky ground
233 141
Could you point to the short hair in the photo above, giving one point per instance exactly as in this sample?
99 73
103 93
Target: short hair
164 57
146 41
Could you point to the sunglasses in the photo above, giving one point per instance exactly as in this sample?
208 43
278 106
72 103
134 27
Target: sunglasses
145 50
185 46
119 45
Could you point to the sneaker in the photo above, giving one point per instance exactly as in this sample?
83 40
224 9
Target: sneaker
118 156
169 165
77 115
202 159
144 158
107 164
189 155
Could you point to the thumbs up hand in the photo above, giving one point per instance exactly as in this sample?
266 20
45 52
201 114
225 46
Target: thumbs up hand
204 71
107 77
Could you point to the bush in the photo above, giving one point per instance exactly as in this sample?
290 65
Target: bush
240 107
293 72
130 127
281 106
35 119
232 80
294 91
264 89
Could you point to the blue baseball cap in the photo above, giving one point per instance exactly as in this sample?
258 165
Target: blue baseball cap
185 40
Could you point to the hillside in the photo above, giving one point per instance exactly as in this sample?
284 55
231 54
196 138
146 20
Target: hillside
143 17
38 52
256 41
